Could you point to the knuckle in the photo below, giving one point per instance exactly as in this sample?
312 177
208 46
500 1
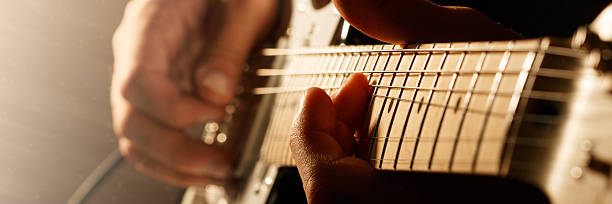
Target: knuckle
120 129
127 149
135 90
129 86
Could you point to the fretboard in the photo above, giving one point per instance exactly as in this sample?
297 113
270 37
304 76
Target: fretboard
444 107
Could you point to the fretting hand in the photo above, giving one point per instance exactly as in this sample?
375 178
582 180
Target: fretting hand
322 138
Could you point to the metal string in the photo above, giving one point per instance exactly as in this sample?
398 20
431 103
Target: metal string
468 99
344 50
420 131
490 100
379 81
446 102
494 93
382 109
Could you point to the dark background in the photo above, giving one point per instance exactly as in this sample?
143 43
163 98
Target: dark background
55 122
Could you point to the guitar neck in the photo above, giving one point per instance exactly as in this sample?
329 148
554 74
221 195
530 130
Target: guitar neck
444 107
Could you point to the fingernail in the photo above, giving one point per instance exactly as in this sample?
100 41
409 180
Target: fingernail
217 82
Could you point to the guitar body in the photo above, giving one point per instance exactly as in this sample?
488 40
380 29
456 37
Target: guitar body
532 126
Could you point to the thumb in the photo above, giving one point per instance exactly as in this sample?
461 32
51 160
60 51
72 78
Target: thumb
322 144
409 21
311 135
323 129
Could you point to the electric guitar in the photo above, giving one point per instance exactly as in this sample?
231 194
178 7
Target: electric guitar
536 112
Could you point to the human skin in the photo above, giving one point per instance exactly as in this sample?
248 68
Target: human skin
178 63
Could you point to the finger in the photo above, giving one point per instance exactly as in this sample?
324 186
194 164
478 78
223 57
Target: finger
311 135
148 165
350 104
155 95
409 21
151 35
171 146
244 23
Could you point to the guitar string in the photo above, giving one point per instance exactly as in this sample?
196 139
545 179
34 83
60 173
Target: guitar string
401 91
378 82
503 66
344 50
534 94
384 103
525 81
521 140
546 48
449 94
409 113
548 72
420 131
468 100
406 77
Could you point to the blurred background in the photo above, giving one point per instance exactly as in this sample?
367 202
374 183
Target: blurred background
55 122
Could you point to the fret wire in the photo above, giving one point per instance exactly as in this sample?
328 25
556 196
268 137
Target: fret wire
262 91
283 110
289 110
277 72
365 65
347 67
373 97
468 99
414 94
327 67
382 109
407 161
517 165
409 112
340 62
445 107
416 145
530 141
357 63
521 85
525 140
541 95
489 104
272 128
326 59
442 105
275 119
545 72
397 102
280 52
325 78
